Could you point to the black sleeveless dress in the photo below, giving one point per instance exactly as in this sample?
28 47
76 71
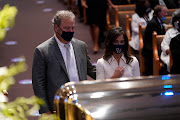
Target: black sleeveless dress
96 12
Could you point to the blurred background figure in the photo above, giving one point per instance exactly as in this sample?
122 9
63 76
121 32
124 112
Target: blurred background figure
169 4
156 24
143 14
171 33
96 18
80 11
178 10
175 50
116 61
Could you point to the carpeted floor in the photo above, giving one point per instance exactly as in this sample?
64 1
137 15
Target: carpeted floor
32 27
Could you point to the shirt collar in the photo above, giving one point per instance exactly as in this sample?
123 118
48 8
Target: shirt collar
59 42
112 59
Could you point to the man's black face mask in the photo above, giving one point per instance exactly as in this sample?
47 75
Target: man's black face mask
66 35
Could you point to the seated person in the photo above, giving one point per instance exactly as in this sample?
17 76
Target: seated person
156 24
171 33
175 50
169 4
116 62
143 15
178 10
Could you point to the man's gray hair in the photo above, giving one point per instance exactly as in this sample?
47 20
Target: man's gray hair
62 14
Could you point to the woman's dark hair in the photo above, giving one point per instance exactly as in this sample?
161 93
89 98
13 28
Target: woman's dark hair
140 7
112 35
175 18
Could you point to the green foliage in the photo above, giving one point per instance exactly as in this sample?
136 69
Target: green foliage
48 117
7 19
22 107
6 75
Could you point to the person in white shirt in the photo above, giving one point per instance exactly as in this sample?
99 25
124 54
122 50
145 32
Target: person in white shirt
116 62
171 33
142 15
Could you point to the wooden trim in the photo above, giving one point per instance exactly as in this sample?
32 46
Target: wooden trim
141 58
156 64
108 20
171 60
117 16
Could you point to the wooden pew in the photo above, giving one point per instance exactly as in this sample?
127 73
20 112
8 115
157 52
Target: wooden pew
110 17
128 7
171 61
168 20
167 27
113 9
128 27
170 11
157 65
120 18
141 58
128 30
71 5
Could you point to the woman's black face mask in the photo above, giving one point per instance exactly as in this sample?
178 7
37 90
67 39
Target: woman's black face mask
117 48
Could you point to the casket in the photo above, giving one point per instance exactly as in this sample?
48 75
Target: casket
140 98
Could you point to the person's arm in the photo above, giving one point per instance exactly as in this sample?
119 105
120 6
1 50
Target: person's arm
83 3
91 69
136 67
100 73
39 79
165 43
135 23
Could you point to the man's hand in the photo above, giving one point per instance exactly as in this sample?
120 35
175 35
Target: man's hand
168 51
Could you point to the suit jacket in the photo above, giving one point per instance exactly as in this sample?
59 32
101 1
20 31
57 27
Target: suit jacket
175 50
49 70
153 25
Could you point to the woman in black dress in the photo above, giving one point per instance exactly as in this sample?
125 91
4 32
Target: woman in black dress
96 18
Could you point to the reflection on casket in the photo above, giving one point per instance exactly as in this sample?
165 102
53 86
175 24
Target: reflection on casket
141 98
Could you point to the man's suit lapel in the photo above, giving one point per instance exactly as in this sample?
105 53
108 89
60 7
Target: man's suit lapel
78 57
57 53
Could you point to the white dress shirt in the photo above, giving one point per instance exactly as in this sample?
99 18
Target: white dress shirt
73 76
172 32
105 69
134 43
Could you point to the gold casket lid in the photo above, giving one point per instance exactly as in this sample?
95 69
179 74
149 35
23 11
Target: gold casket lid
140 98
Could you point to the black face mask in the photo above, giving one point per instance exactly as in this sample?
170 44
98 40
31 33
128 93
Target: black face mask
117 48
148 9
67 35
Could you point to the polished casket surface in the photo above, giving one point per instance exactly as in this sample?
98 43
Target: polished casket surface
141 98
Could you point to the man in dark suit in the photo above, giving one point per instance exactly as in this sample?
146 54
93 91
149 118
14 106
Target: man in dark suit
156 24
59 60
